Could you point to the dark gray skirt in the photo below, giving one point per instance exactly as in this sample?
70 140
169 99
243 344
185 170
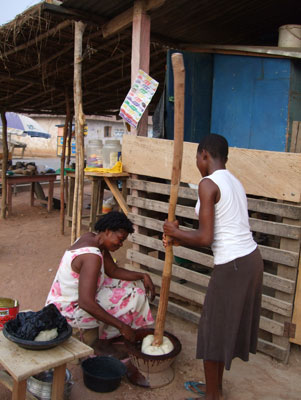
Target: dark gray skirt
230 318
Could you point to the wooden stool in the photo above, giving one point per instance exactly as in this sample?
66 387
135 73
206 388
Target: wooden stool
22 363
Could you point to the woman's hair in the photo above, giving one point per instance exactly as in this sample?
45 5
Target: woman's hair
216 145
114 221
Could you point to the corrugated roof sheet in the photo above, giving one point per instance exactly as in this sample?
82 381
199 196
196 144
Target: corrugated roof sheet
107 9
36 49
253 22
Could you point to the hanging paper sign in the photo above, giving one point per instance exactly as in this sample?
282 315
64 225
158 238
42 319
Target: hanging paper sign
138 98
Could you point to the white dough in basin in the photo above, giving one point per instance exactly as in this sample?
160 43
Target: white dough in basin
147 348
45 336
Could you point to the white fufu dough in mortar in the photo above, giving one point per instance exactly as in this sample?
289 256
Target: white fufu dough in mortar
147 348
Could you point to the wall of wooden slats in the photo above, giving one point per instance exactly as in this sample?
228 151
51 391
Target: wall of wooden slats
268 174
275 226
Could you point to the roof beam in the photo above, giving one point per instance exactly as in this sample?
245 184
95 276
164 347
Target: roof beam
37 39
123 66
40 94
267 51
125 19
124 80
9 96
76 14
12 78
59 70
47 61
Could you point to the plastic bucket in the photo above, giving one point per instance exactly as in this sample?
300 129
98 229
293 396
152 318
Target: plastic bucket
289 36
103 374
106 208
9 309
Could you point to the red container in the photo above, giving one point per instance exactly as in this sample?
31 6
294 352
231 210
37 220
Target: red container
9 309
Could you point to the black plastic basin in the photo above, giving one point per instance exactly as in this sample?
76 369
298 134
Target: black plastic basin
103 374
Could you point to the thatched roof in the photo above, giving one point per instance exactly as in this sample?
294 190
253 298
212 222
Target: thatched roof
36 64
36 48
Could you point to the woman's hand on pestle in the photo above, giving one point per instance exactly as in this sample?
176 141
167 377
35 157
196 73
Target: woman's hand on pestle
167 240
128 333
170 229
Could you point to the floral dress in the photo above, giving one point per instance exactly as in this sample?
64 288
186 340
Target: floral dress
125 300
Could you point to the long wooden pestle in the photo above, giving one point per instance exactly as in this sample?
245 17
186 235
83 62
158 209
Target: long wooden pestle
179 99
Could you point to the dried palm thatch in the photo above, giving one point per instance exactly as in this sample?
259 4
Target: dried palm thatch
36 64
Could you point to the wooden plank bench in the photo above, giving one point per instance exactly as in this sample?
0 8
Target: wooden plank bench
21 363
32 179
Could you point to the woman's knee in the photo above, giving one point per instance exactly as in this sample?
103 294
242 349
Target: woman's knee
139 298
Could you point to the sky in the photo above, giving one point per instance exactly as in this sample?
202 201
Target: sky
10 8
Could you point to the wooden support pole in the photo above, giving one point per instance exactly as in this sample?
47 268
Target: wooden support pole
140 53
68 181
79 131
63 156
4 165
140 60
179 92
69 140
123 20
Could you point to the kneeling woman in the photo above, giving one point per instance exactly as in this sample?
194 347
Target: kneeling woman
90 290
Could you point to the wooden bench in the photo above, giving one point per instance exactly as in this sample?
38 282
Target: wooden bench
32 179
20 364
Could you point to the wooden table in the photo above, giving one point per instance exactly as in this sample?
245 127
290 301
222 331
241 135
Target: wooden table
23 179
97 193
22 363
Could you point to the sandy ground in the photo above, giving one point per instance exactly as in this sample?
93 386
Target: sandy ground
30 249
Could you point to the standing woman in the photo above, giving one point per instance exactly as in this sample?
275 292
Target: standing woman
230 318
91 291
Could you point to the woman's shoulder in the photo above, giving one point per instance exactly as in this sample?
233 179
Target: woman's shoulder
86 241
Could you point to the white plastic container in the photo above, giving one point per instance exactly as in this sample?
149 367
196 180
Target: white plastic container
95 154
111 153
289 36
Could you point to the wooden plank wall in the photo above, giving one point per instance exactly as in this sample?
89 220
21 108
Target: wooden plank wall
191 273
295 147
263 173
275 225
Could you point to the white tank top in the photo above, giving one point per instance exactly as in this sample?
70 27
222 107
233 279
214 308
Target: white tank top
232 235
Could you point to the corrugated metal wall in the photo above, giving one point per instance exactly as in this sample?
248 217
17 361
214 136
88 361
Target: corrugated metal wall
252 101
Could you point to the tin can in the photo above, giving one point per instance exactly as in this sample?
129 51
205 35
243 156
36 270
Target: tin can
9 309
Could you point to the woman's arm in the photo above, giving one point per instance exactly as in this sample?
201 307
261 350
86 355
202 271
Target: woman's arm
113 271
89 275
203 236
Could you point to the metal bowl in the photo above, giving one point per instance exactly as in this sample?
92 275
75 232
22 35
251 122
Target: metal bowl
34 345
41 385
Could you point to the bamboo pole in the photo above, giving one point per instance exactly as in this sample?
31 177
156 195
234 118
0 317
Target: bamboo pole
81 172
179 93
79 131
62 183
4 166
69 138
